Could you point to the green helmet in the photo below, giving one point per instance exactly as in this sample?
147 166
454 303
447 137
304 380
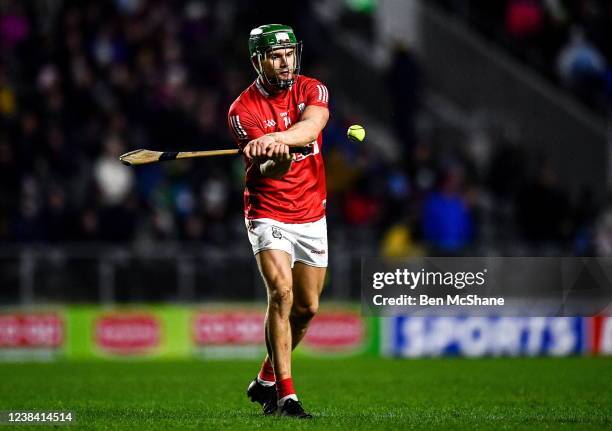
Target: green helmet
269 37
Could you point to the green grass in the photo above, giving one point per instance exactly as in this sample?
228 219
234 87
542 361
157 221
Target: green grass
343 394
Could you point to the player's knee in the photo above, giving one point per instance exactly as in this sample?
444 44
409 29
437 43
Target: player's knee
281 297
304 313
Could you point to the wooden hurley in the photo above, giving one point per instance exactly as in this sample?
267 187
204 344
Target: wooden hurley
145 157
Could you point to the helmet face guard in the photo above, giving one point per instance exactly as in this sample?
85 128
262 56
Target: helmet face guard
274 80
269 38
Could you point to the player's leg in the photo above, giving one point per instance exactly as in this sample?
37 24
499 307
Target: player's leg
275 267
307 286
266 373
276 271
266 377
274 262
310 255
263 388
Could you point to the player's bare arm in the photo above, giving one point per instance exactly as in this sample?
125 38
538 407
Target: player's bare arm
306 130
275 145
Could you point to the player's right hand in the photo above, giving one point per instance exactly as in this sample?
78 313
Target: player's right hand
279 152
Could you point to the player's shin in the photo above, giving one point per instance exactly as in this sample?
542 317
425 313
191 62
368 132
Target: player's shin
299 320
266 373
279 331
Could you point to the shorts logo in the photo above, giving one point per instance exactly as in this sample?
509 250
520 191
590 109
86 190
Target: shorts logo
317 251
276 233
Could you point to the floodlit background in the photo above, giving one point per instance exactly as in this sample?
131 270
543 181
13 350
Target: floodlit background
487 134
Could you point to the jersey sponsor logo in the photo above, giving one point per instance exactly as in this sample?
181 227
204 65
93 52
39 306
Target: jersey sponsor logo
128 333
237 127
315 150
323 94
269 123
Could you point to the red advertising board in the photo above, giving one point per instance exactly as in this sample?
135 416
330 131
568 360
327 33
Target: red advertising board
127 334
601 333
31 330
227 328
335 331
328 331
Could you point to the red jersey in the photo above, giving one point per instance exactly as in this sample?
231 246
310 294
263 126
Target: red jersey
299 196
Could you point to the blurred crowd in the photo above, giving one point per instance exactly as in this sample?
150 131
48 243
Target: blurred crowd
82 82
567 40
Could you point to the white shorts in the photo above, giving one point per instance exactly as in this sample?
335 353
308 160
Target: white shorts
305 242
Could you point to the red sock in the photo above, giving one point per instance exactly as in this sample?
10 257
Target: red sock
285 387
267 371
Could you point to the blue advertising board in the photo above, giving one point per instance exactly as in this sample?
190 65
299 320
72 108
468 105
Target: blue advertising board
484 336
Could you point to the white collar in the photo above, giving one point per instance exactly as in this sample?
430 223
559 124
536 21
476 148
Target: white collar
261 88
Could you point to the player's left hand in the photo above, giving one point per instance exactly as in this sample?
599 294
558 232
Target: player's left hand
258 147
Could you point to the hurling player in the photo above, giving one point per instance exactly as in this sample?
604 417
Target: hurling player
284 201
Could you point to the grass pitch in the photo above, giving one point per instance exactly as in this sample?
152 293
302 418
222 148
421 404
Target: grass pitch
343 394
